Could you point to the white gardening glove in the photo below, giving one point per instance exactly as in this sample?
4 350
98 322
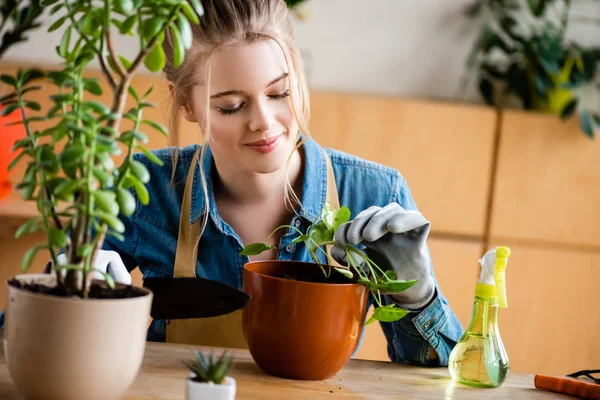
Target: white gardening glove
395 239
107 261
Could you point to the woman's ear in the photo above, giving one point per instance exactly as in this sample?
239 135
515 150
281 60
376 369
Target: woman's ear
185 109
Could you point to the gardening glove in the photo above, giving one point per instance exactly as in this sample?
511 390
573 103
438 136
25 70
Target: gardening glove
395 240
106 261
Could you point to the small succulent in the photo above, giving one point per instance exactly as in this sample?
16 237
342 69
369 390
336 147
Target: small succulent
209 369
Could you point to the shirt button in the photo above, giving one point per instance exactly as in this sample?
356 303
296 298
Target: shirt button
427 324
297 222
289 248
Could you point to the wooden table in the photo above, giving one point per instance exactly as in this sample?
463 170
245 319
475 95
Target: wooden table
163 377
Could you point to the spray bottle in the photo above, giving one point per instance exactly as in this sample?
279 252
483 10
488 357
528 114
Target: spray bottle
479 358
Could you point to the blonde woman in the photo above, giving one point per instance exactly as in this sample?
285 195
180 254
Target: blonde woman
243 83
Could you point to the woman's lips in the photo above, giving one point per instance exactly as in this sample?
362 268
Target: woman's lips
264 146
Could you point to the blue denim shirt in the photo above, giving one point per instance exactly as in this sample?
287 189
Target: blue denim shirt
151 237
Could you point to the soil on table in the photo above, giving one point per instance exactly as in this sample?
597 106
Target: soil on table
97 291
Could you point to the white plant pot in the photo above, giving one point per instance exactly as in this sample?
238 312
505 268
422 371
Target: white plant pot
210 390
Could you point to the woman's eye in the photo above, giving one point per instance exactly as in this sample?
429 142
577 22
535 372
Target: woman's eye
280 95
229 111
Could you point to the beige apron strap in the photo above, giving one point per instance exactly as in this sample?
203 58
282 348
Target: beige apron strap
221 331
187 251
334 201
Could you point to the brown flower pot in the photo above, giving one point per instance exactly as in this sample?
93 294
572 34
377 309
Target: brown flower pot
70 348
296 329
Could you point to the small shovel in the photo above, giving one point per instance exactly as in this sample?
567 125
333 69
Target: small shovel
185 298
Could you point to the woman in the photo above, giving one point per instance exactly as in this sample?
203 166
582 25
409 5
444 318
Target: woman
243 84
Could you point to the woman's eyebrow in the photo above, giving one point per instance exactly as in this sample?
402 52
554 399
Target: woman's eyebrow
232 92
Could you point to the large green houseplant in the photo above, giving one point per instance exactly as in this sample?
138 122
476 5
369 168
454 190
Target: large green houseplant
523 52
79 192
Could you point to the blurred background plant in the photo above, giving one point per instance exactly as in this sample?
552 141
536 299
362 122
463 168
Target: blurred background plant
522 52
17 17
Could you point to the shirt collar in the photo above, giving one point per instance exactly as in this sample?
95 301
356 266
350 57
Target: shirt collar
314 186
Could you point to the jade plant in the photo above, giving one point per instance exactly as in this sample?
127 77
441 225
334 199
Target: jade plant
360 269
209 368
71 174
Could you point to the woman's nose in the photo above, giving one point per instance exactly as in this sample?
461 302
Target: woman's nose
261 118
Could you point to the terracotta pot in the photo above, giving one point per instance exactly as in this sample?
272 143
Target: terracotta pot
300 330
68 348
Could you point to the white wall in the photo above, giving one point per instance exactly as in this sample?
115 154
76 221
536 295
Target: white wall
394 47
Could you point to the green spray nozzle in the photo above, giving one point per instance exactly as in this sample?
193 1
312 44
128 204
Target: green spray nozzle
502 254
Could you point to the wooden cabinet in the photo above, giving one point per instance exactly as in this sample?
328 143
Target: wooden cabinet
444 151
548 184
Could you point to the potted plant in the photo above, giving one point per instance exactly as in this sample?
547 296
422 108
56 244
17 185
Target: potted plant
68 336
304 320
209 378
522 52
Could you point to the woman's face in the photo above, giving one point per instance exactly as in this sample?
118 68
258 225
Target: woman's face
252 124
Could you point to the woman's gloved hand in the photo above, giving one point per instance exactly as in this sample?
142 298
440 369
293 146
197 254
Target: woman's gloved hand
107 261
395 240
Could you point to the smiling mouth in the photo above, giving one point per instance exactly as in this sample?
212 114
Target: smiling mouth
265 142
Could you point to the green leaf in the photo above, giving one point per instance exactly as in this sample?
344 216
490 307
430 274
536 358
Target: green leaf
140 171
301 238
568 109
125 62
57 24
107 201
388 313
128 24
140 191
189 13
85 250
46 3
28 227
57 7
197 7
112 221
105 178
86 25
27 189
161 128
124 6
33 105
133 93
9 96
72 154
255 248
186 31
151 156
9 80
58 77
155 60
152 27
28 75
126 201
92 86
108 279
57 238
97 107
345 272
16 160
9 109
48 160
66 189
29 255
178 48
116 234
150 89
63 47
586 124
342 216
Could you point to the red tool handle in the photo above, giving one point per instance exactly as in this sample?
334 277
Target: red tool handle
569 386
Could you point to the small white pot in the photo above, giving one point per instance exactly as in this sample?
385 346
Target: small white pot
210 390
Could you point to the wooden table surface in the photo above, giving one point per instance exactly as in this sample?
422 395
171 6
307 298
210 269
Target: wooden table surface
162 376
